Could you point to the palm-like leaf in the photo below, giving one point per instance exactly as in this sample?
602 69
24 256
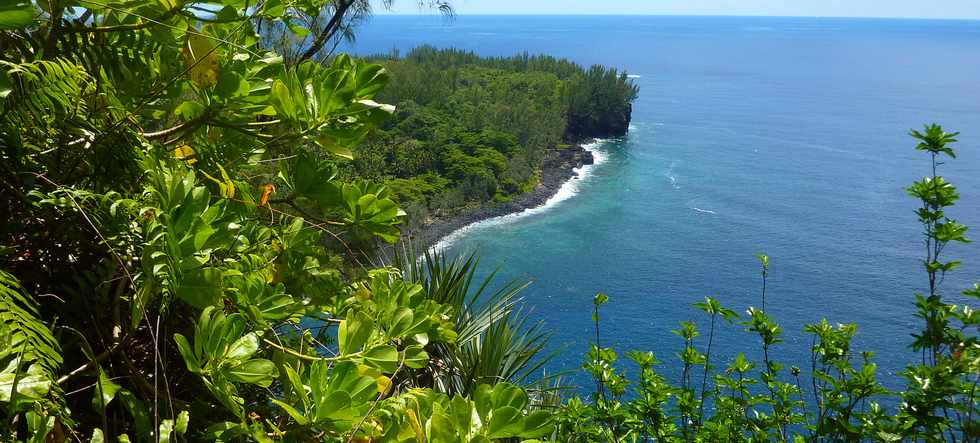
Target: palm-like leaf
42 89
496 341
29 353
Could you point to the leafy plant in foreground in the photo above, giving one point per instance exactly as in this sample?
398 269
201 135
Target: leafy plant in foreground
181 261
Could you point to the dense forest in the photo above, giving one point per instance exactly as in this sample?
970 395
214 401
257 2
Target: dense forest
182 254
469 130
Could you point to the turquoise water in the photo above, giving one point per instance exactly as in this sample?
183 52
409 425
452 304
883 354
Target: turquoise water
778 135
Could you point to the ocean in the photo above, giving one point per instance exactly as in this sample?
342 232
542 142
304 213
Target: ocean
783 136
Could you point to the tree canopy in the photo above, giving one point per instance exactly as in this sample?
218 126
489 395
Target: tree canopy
471 130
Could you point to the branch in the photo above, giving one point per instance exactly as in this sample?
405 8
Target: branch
328 31
128 27
308 357
188 125
94 361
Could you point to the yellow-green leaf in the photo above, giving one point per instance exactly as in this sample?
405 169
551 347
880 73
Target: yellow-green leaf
328 144
201 59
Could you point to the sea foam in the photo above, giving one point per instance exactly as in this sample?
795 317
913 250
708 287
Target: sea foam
567 190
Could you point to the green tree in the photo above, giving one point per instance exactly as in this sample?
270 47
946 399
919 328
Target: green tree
181 259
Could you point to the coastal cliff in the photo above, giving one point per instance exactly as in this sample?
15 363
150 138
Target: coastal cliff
478 137
610 123
560 165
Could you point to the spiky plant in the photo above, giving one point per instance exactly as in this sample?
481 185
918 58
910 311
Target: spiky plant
497 341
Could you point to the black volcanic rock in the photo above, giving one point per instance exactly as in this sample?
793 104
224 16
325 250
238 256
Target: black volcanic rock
611 124
558 167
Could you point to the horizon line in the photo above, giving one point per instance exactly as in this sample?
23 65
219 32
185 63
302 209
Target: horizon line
540 14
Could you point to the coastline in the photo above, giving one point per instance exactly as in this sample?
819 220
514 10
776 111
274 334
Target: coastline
559 168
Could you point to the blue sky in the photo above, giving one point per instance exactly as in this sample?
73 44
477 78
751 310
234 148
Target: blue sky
838 8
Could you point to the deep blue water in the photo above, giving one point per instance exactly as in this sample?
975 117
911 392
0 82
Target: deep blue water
778 135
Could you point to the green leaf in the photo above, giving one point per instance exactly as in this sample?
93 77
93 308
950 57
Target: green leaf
6 84
335 407
187 352
293 412
182 420
330 145
441 429
505 394
201 288
16 14
505 422
401 321
354 332
258 371
166 428
371 79
537 424
383 357
298 388
38 426
32 386
231 84
416 357
243 348
222 430
299 30
189 110
137 410
282 100
228 13
461 412
105 392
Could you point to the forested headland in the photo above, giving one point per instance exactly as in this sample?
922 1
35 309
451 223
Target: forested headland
184 235
471 130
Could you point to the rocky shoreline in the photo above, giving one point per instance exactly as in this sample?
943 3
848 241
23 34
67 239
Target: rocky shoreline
559 167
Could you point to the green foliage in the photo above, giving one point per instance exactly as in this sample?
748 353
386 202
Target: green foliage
172 190
29 355
471 130
494 413
182 254
495 340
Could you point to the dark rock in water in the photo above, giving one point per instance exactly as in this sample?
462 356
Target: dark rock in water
611 124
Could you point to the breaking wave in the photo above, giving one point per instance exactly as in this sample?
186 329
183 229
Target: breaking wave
567 190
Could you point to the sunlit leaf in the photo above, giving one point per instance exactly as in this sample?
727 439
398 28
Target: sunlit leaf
185 153
16 14
201 59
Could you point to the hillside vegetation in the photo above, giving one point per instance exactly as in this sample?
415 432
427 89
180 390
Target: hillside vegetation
184 248
471 129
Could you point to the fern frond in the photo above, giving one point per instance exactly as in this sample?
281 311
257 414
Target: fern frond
125 58
44 89
30 356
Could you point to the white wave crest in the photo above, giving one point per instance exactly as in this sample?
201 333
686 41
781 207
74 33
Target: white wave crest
670 176
567 190
704 211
